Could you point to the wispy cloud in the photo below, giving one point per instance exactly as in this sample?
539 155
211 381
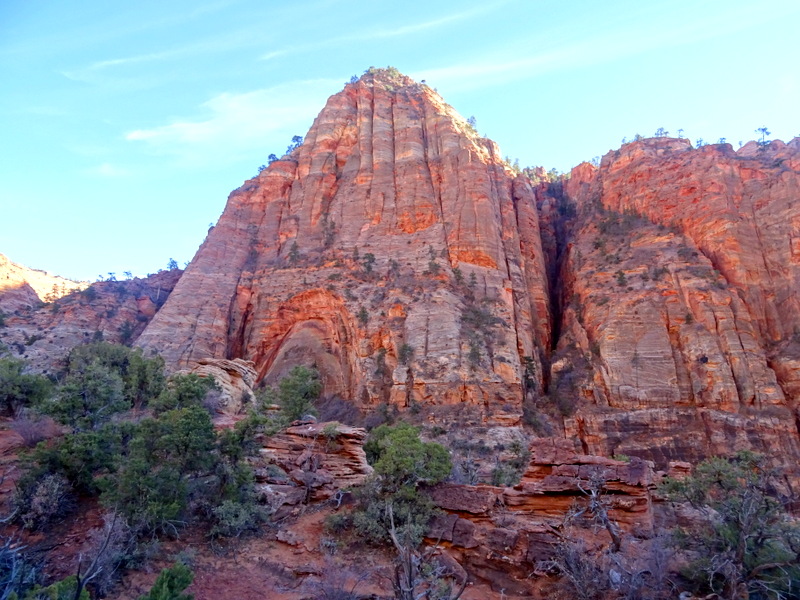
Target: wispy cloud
274 54
612 45
129 60
102 71
417 27
239 124
98 71
107 170
386 33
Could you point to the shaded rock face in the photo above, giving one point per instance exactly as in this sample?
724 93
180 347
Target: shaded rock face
311 461
679 287
235 380
114 311
393 250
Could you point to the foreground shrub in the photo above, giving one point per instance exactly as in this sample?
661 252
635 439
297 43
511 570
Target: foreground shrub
170 584
19 389
748 544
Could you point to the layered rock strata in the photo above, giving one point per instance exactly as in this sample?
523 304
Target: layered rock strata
394 250
501 535
311 461
680 301
235 380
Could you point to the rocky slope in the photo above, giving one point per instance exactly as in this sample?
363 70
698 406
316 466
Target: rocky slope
23 288
393 250
114 311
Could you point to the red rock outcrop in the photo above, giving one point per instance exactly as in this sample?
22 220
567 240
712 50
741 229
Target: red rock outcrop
500 534
311 461
393 249
235 381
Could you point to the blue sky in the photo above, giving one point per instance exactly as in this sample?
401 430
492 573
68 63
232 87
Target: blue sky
126 124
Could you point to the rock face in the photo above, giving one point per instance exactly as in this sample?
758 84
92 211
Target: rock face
394 250
24 288
235 380
680 301
114 311
311 461
652 301
500 534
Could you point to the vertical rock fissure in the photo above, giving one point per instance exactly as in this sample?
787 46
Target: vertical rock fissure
393 136
562 230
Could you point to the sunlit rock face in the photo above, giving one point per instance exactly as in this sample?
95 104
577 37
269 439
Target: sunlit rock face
394 250
23 288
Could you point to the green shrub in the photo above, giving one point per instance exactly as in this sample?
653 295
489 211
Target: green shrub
142 378
368 261
183 391
234 518
183 438
297 393
405 354
402 463
748 540
42 501
401 459
149 472
88 398
151 488
170 584
61 590
83 458
19 389
411 509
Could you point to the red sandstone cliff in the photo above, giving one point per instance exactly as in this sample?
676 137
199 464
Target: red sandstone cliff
679 282
648 307
652 302
344 254
655 307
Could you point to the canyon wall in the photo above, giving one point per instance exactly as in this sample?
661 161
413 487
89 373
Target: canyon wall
679 295
646 306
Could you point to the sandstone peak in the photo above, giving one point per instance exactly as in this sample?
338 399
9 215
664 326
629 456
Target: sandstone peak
394 226
387 76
